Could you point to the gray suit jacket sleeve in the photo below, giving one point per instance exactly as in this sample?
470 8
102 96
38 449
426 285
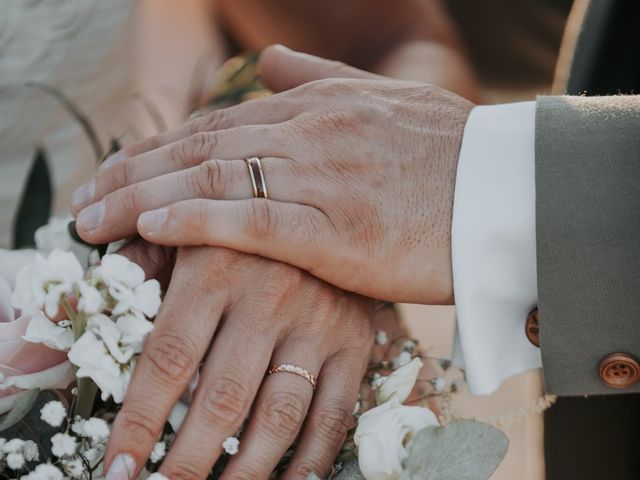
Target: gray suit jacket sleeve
588 237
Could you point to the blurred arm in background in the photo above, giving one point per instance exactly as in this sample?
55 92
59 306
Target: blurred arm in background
404 39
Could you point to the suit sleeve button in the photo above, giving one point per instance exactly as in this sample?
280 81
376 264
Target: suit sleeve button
532 328
619 370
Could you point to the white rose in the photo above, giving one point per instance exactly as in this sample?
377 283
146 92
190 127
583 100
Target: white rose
400 383
383 436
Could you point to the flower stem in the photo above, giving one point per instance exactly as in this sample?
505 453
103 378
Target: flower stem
78 320
86 396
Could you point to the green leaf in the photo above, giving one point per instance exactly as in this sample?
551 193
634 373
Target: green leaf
23 404
460 450
35 204
350 471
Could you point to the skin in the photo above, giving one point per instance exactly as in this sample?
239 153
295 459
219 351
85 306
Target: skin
235 315
404 39
360 170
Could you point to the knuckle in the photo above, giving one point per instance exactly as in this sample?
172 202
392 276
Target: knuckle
127 198
224 401
212 121
198 217
260 220
332 424
173 357
247 473
327 87
209 180
281 414
183 469
138 424
119 175
194 149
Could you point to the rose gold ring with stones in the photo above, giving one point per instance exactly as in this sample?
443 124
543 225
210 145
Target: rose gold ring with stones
301 372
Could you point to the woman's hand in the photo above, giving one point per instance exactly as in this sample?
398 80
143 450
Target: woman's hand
233 316
360 175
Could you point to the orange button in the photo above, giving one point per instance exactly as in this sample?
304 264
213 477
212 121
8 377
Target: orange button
619 370
532 328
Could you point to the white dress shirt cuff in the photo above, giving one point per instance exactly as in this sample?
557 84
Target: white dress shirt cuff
494 245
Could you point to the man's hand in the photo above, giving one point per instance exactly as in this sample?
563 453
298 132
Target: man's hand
360 174
232 316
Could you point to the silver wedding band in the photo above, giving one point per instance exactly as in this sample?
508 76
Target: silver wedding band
257 178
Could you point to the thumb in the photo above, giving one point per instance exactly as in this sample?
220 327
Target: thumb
282 69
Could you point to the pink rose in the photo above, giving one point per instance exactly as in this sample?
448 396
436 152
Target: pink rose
23 365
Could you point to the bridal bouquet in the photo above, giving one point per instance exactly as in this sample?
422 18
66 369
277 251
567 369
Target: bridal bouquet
69 341
70 338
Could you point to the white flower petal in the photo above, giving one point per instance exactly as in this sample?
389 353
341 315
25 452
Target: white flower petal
59 376
116 268
90 354
400 383
42 330
134 330
90 300
147 298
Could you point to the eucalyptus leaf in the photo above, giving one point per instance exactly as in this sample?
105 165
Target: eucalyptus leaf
22 406
460 450
350 471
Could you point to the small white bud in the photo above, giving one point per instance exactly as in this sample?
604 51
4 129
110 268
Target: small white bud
409 346
438 384
381 337
401 360
158 452
231 445
63 445
15 461
53 413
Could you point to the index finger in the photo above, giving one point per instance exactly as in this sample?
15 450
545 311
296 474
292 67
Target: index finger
165 368
264 111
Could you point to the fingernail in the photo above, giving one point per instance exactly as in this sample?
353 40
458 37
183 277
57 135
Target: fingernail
83 195
123 467
111 161
89 218
153 220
